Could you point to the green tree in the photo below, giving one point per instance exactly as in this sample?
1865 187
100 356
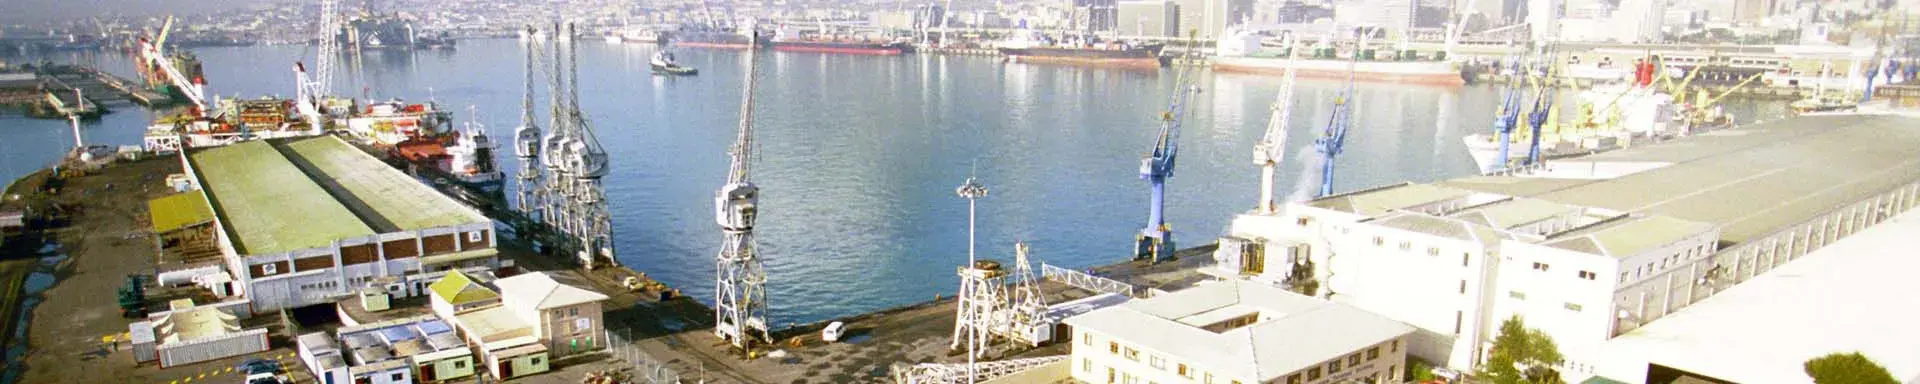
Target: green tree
1847 368
1521 356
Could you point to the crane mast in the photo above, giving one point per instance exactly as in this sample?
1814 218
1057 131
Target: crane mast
1537 117
1155 242
527 141
1271 149
1334 138
312 88
740 305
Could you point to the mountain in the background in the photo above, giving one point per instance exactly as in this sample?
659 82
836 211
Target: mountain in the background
31 11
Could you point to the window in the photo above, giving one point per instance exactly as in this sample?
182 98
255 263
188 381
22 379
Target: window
1395 347
1209 379
1303 220
1113 347
1133 354
1373 353
1517 295
1293 379
1086 365
1623 277
1377 241
459 364
1539 266
1354 360
534 361
1433 251
1464 257
1573 307
1313 373
1086 339
575 311
1463 287
1333 366
1588 275
1109 374
1406 245
1156 362
1456 321
1182 370
399 376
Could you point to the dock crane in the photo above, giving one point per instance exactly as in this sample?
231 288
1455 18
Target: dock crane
1272 148
1543 105
1507 118
1155 242
314 88
1334 138
154 56
740 293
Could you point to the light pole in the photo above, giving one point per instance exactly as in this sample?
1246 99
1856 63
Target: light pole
972 190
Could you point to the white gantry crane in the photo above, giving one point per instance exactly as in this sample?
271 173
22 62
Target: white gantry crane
530 188
313 88
740 293
575 203
1029 305
1272 148
154 55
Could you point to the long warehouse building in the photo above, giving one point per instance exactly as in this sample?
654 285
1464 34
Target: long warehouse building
308 221
1590 248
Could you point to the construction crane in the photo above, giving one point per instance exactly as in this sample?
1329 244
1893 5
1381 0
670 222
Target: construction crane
1543 105
1507 118
153 55
1334 138
1271 149
1155 242
313 88
740 293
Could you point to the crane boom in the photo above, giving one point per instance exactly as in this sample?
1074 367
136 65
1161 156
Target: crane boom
1334 138
194 89
1271 150
1155 242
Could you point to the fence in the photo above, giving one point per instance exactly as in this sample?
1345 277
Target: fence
1085 281
646 368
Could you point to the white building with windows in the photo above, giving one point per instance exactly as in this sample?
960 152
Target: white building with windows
1590 248
1236 332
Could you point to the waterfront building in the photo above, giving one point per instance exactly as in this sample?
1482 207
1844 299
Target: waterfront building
307 221
1588 249
1236 332
564 316
406 350
456 293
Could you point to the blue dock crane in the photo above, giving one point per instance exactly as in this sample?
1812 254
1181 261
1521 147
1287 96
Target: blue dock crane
1542 108
1508 117
1155 242
1334 138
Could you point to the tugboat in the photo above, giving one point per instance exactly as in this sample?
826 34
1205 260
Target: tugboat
664 63
471 160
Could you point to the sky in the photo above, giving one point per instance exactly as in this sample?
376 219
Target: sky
15 11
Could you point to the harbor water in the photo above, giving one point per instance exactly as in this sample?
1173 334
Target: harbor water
860 155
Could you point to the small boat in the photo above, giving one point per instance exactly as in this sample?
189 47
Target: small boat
663 63
1823 103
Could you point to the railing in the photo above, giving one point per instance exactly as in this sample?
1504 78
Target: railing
1085 281
646 368
928 373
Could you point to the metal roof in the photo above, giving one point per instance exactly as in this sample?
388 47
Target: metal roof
267 203
1295 331
456 288
539 290
179 210
1381 200
1515 212
387 199
1441 226
1751 181
493 324
1853 295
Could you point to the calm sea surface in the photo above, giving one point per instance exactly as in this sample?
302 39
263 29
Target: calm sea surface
860 155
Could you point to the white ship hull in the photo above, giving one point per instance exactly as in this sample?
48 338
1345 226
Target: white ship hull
1406 72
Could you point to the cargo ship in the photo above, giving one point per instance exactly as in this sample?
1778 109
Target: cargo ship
788 39
705 36
1036 47
1247 52
465 157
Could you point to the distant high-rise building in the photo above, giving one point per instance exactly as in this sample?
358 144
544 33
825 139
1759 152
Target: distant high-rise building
1149 18
928 15
1543 17
1093 15
1639 21
1751 11
1206 17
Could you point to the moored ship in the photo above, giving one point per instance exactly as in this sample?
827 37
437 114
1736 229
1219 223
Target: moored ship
706 36
1034 47
789 39
1611 117
389 123
1245 52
